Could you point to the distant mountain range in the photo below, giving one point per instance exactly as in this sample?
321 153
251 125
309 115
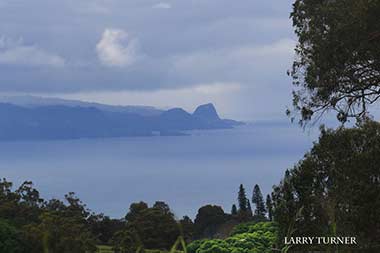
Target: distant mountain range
28 117
33 101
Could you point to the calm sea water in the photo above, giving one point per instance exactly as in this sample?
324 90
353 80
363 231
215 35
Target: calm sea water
184 171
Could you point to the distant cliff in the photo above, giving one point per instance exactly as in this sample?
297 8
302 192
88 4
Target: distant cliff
19 122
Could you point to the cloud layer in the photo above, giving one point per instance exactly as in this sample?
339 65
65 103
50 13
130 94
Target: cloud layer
13 52
149 47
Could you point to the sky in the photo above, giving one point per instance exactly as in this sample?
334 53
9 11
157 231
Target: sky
170 53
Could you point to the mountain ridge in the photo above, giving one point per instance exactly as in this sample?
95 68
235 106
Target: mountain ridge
36 101
57 121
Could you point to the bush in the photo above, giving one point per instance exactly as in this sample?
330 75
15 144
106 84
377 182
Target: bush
247 238
251 227
194 246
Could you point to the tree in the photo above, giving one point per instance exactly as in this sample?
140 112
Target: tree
135 210
208 220
334 189
242 199
234 210
249 209
245 210
41 226
187 227
163 207
21 206
269 206
257 200
338 65
155 227
285 206
75 207
125 241
29 195
59 233
103 227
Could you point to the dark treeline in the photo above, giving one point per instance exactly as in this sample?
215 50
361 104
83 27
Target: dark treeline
31 224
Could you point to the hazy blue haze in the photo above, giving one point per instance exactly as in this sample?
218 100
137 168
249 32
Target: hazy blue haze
185 171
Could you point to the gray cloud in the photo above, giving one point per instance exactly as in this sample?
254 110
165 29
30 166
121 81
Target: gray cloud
73 47
14 52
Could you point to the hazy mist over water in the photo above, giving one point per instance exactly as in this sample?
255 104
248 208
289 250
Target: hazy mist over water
184 171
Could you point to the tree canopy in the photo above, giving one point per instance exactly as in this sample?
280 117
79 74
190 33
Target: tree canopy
149 227
337 66
208 220
335 189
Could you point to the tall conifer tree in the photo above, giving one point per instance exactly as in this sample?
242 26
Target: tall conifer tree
242 199
257 199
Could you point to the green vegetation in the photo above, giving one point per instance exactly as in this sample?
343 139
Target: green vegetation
30 224
10 238
246 238
257 199
147 227
335 189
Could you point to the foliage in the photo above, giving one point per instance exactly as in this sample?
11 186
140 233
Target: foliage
10 238
242 199
44 226
245 210
193 246
251 227
208 220
103 227
125 241
247 238
187 228
61 234
148 227
338 65
214 246
335 189
20 206
257 199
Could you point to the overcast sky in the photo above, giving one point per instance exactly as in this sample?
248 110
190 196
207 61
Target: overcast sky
162 53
